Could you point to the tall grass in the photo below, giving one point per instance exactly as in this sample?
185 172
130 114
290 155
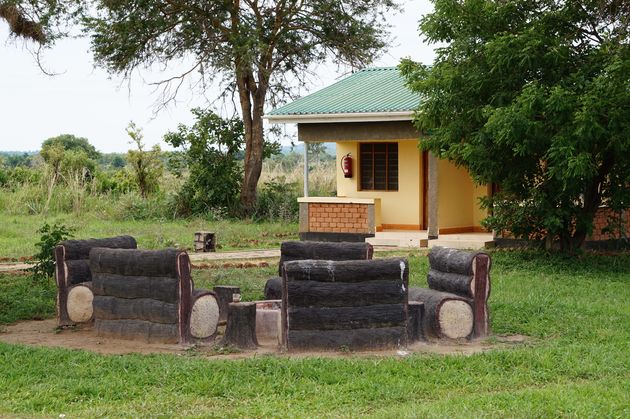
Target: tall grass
75 193
321 178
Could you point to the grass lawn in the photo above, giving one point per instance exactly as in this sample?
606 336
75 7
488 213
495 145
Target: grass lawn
18 233
577 362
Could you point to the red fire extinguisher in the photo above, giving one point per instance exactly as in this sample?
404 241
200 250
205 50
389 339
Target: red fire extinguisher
346 165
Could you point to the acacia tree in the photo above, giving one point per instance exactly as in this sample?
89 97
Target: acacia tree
533 95
257 48
41 21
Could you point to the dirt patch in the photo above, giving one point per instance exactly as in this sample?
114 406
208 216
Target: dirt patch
45 333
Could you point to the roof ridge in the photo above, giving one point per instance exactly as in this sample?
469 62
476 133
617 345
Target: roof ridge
378 69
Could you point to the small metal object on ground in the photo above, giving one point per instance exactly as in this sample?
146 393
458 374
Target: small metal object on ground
205 241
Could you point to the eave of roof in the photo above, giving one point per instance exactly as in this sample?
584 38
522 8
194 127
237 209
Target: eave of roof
323 118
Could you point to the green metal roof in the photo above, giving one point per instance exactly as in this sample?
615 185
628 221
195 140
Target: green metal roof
373 90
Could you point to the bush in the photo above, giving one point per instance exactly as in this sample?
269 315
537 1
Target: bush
146 165
210 148
44 267
19 176
277 201
117 182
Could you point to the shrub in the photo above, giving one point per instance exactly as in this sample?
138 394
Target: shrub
44 267
210 149
119 181
146 165
277 201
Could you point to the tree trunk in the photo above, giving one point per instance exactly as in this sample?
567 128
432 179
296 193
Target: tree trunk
147 309
273 288
348 270
225 296
347 318
378 338
241 326
592 199
79 303
415 331
446 315
252 98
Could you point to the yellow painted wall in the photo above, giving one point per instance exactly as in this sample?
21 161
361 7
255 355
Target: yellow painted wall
399 207
478 213
458 196
455 191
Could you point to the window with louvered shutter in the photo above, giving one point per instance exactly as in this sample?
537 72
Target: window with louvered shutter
378 166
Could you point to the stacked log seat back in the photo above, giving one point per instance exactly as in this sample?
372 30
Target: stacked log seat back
344 304
73 276
310 250
456 303
149 295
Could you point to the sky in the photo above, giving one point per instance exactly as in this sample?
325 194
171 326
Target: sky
87 102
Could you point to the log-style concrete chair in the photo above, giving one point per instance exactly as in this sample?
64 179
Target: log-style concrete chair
74 278
149 295
456 302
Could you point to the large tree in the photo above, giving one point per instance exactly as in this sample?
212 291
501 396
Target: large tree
260 49
41 21
533 95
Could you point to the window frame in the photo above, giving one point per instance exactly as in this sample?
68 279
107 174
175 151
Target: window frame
387 144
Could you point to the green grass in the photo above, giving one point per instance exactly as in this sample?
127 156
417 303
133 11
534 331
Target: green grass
22 298
575 363
18 233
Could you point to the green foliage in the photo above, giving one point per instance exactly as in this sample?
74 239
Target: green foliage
532 95
112 161
277 201
44 267
118 182
318 152
118 162
23 298
146 165
68 155
41 21
69 142
12 160
259 50
209 148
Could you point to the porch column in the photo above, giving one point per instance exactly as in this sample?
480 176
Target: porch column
432 198
305 169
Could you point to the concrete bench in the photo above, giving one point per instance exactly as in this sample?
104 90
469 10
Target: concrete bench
303 250
354 304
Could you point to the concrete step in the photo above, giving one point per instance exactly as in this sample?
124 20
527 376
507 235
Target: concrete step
398 242
462 244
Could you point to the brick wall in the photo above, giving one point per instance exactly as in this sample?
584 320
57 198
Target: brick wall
600 222
337 218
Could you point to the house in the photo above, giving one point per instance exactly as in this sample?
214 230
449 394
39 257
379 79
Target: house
393 186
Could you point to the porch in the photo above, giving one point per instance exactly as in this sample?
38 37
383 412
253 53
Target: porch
359 219
414 239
